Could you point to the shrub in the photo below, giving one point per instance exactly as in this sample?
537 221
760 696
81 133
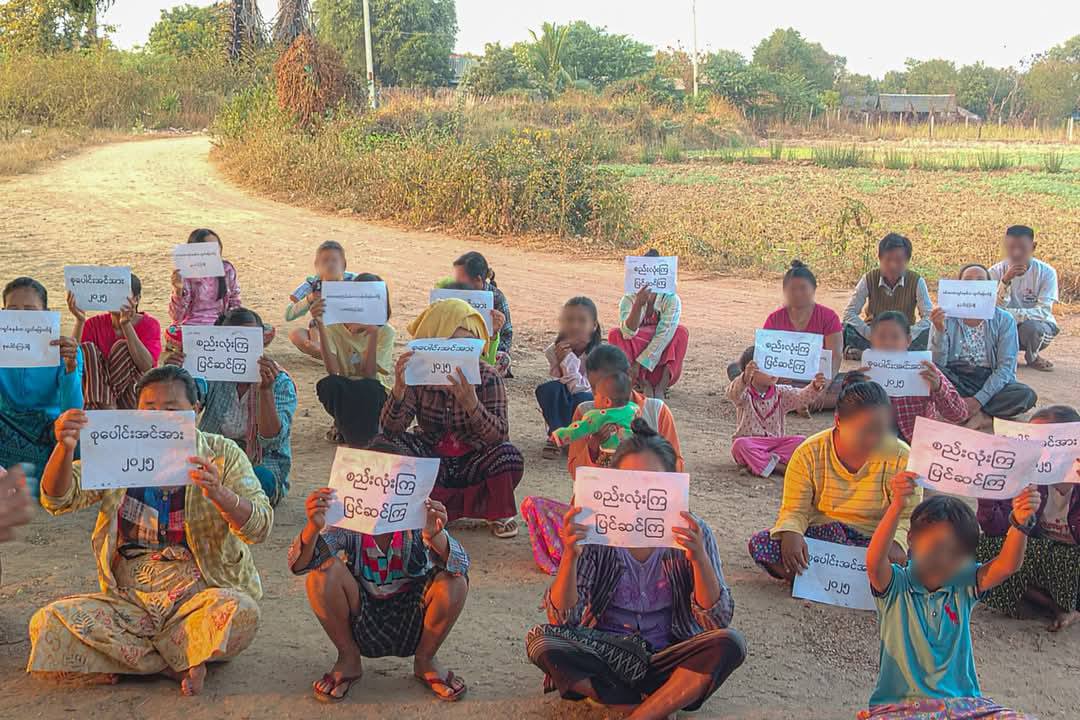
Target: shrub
310 78
896 160
837 156
1053 161
776 149
925 161
672 150
994 160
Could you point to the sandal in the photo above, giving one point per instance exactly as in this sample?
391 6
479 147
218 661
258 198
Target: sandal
329 697
1041 364
453 683
550 451
504 529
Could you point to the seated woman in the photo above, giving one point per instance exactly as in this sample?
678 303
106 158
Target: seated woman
890 332
579 334
32 398
201 301
118 347
329 267
465 426
472 272
645 629
1050 576
891 287
257 417
397 594
651 336
979 358
178 583
836 487
359 361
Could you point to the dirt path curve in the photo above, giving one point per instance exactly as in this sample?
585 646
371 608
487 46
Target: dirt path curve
128 203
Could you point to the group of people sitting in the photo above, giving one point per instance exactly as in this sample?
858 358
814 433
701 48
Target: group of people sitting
642 628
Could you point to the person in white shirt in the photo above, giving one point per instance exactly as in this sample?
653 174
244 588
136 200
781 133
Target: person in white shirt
1028 290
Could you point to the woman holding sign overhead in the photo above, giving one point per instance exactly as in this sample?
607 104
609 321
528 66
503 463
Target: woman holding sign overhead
641 628
200 301
31 398
463 425
178 582
979 358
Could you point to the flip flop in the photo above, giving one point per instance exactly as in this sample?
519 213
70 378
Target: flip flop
329 697
453 683
504 529
1041 364
550 451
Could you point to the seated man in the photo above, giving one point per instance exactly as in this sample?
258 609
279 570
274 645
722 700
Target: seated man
891 287
1028 291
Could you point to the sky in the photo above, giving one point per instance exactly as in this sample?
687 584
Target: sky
874 37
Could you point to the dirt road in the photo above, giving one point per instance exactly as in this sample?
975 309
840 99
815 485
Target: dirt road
128 203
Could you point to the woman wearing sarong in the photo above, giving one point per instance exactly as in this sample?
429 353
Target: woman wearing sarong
178 582
118 347
465 426
32 398
641 629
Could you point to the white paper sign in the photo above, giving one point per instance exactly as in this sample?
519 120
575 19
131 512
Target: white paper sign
785 354
825 367
98 287
198 260
969 463
25 336
378 493
136 448
223 353
1059 459
836 576
656 273
898 372
482 300
363 303
434 360
631 508
969 299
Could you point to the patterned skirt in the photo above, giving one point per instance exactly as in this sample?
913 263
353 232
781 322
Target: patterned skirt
26 437
766 551
544 519
1050 566
391 627
951 709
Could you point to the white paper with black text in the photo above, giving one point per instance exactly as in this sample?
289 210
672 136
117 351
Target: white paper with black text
136 448
223 353
792 355
198 260
25 337
825 364
836 576
969 299
362 303
898 372
631 508
97 287
433 361
482 300
377 493
660 274
1059 460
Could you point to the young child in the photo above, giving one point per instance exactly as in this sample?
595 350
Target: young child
760 443
200 301
330 266
924 608
579 333
613 407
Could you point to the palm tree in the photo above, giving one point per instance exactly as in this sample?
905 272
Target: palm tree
246 27
293 19
545 56
90 9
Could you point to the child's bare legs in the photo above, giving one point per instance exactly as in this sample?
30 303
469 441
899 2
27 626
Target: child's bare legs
335 598
306 341
660 391
444 602
1063 618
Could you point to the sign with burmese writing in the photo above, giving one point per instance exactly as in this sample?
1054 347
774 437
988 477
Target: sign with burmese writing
376 493
136 448
482 300
361 303
1060 442
98 288
26 337
433 361
968 299
223 353
198 260
898 372
659 274
836 576
631 508
785 354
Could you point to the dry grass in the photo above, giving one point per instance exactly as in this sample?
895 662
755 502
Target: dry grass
26 149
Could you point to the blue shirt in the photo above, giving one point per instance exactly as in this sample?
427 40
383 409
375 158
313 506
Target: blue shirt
926 638
49 390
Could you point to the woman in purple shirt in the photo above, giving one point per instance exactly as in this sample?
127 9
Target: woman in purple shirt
640 628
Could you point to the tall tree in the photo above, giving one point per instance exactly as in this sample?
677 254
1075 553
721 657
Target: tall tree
293 18
786 51
42 25
545 56
246 27
189 30
497 71
598 57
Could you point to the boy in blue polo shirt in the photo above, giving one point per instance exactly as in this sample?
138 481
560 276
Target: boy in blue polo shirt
924 609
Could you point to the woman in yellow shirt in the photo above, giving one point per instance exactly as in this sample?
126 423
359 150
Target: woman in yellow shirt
836 487
359 363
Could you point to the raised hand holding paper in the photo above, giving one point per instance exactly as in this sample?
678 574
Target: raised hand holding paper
836 576
1059 457
362 303
25 336
433 361
968 299
378 493
223 353
785 354
136 448
898 372
98 287
482 300
198 260
959 461
630 508
825 363
659 274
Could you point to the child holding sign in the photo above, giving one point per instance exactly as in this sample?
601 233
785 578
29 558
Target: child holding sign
472 272
760 443
329 267
925 603
579 333
118 347
645 628
1050 576
201 301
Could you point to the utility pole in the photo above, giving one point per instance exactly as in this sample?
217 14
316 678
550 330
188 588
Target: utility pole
694 59
367 51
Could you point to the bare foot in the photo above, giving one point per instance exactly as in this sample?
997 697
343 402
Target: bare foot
1063 620
192 682
346 671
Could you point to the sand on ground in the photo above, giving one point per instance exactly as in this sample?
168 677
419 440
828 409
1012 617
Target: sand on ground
129 203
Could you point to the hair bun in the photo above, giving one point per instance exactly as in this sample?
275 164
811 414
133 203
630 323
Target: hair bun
854 377
640 427
796 264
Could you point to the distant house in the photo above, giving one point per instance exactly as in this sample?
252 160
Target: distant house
942 107
459 66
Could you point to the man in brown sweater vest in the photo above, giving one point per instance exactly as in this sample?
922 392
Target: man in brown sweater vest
892 286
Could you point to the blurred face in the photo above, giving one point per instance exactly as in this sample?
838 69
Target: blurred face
212 238
889 336
974 273
576 325
330 265
799 293
164 396
938 554
23 299
893 264
644 460
1019 250
763 379
863 432
462 276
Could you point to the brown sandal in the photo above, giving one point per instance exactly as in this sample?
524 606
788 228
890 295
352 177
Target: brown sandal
330 697
453 683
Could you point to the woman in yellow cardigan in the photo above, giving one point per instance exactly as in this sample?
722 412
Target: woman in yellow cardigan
836 487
